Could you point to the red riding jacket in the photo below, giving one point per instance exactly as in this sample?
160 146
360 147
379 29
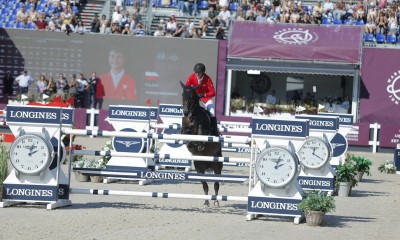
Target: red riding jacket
206 86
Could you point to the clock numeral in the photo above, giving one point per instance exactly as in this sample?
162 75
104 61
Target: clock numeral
36 166
290 167
22 166
44 154
275 181
263 173
29 168
30 140
288 174
41 161
18 146
42 147
17 160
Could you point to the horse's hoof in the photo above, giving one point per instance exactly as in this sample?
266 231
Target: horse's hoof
216 204
206 203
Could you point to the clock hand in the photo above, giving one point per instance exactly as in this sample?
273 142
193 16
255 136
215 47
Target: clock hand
280 165
31 153
317 156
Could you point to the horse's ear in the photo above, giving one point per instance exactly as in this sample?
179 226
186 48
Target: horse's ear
183 85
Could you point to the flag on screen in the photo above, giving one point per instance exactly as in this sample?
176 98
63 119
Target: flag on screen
300 109
151 76
23 97
257 109
45 96
148 102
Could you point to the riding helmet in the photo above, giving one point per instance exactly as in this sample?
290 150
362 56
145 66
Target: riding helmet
199 67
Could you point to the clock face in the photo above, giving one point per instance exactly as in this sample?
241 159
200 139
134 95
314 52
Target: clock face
276 167
314 153
30 154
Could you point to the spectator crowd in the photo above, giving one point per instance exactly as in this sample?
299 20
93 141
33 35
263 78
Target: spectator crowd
376 16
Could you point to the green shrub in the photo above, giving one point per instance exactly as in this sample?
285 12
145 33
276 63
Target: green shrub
317 201
3 163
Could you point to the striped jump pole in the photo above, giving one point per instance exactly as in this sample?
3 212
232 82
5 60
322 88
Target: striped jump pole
201 138
166 126
237 145
158 195
162 156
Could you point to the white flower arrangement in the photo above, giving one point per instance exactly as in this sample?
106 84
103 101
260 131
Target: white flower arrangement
387 167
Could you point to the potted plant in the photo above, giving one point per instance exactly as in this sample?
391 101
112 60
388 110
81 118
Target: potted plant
315 205
3 167
345 177
387 167
363 165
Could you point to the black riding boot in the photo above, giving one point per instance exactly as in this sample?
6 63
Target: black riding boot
214 125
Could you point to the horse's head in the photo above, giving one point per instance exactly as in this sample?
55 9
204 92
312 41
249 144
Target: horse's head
189 98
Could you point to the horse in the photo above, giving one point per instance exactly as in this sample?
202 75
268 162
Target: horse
196 121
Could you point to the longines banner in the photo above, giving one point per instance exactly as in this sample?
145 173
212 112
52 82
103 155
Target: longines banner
380 87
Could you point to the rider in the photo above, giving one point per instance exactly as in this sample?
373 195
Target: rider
206 91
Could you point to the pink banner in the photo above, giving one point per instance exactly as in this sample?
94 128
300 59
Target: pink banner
358 135
380 86
295 42
389 135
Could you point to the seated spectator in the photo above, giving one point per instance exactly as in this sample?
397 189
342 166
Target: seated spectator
328 6
72 86
284 16
213 4
62 86
219 33
116 16
139 30
240 16
126 30
51 87
22 16
305 19
203 26
66 17
41 24
182 32
294 17
193 32
224 16
381 24
372 13
115 28
159 32
80 28
108 28
271 98
189 23
392 25
162 24
95 24
337 13
318 11
103 24
54 25
212 16
261 17
126 19
171 26
251 17
41 84
370 27
360 12
58 9
32 14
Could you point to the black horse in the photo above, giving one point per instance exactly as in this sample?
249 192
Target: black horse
196 121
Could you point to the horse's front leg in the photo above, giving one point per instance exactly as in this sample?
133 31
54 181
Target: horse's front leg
205 188
200 145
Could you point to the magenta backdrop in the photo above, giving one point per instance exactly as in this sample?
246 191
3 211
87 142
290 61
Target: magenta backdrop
295 42
380 95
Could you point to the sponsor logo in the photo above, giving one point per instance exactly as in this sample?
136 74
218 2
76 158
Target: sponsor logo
393 87
273 205
295 36
317 123
29 192
128 113
171 110
163 175
279 127
309 182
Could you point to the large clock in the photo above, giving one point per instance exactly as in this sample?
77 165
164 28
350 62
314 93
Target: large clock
276 167
31 154
314 153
